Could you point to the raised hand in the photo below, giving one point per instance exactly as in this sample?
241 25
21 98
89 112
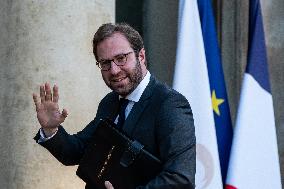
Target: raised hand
47 109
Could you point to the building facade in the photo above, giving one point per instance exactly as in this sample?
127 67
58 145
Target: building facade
50 41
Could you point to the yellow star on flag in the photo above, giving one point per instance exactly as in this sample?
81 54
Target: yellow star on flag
216 102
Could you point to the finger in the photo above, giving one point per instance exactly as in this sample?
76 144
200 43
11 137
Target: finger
47 92
108 185
42 93
55 94
36 101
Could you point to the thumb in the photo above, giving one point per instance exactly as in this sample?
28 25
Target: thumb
64 113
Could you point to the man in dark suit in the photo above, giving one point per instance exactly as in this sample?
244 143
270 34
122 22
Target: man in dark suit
155 115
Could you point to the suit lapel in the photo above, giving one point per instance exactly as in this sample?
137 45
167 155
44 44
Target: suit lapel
138 108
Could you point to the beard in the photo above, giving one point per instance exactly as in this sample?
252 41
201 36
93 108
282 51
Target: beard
132 80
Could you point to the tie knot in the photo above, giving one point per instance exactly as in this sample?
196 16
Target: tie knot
123 102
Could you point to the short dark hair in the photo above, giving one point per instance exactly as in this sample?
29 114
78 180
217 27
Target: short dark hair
107 30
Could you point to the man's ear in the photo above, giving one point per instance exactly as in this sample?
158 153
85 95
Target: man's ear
142 60
142 56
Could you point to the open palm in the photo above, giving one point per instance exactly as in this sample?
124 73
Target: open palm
47 108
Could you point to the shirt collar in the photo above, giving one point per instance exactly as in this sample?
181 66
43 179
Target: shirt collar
137 93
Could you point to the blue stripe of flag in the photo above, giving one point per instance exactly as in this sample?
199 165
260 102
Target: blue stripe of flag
257 58
216 77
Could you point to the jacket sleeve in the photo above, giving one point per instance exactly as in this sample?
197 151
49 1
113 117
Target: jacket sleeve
177 145
66 148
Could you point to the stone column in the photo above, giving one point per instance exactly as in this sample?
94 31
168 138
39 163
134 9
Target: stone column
160 37
46 41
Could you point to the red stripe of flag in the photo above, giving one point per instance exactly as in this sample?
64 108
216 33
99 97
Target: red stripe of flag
230 187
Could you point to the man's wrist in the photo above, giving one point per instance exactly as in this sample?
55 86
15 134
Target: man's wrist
49 132
43 135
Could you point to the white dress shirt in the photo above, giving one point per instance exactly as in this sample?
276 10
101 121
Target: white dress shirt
135 95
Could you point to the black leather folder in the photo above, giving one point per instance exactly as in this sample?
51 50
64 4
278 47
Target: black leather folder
113 156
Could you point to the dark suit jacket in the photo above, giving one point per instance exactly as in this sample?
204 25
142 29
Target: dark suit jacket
162 121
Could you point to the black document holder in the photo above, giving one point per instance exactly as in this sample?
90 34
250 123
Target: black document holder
114 157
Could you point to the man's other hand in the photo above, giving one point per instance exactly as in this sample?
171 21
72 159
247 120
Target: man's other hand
108 185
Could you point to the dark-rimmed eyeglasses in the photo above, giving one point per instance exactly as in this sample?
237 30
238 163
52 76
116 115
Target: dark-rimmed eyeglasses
119 60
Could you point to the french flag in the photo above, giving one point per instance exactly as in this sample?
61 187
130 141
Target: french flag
254 161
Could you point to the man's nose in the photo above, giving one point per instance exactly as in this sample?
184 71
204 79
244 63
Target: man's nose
114 69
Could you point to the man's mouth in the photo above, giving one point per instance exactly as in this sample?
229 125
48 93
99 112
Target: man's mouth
118 79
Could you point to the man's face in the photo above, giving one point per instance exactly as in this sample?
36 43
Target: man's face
121 79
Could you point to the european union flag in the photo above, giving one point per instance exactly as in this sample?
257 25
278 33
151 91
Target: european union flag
219 98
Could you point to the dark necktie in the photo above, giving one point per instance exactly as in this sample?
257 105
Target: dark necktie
121 114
